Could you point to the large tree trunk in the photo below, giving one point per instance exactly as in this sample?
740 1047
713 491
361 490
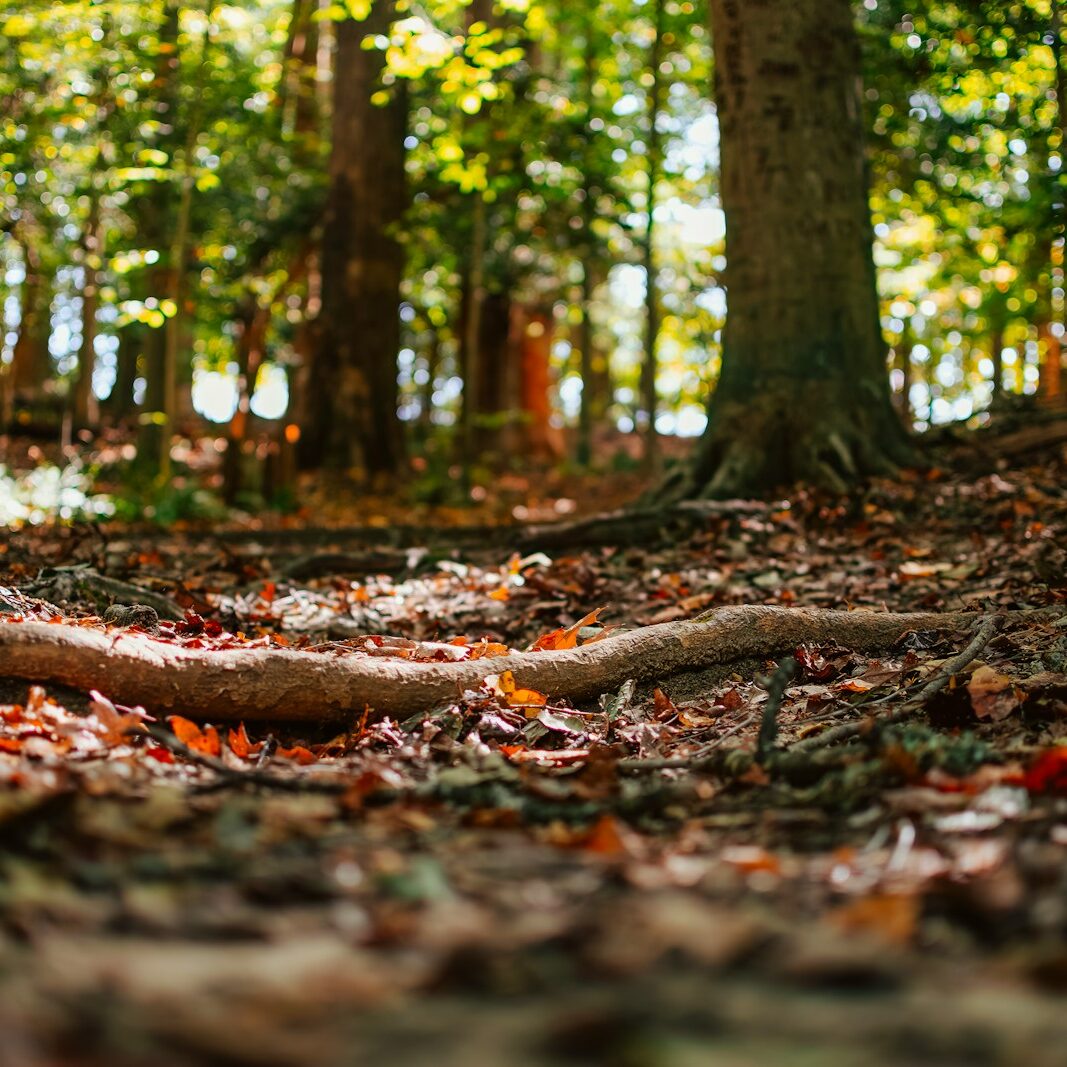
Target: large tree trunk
804 393
362 262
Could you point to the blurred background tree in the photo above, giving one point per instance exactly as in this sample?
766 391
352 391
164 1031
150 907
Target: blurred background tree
391 237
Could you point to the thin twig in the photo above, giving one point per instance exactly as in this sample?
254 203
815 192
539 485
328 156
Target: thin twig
694 761
232 774
982 636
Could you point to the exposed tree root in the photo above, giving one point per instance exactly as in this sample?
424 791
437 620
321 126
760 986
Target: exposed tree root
287 685
83 584
755 446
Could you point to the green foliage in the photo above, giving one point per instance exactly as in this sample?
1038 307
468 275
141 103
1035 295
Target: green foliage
195 136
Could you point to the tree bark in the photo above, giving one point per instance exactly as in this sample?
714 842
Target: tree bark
1051 362
119 405
540 439
996 357
155 224
804 393
31 363
362 262
86 411
654 161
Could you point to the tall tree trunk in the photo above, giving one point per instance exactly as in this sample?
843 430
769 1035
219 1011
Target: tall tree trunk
804 392
996 356
86 412
654 161
362 262
119 405
902 353
1051 362
156 227
584 451
472 360
30 363
541 440
252 328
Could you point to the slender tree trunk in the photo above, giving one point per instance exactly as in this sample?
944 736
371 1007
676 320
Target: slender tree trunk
31 363
156 227
996 355
1051 349
540 438
474 304
362 262
654 160
433 366
119 405
584 451
1051 362
902 353
804 393
86 412
252 328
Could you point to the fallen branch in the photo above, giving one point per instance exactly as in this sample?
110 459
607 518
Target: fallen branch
268 684
293 783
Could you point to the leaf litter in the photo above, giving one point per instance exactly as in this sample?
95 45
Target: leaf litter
250 888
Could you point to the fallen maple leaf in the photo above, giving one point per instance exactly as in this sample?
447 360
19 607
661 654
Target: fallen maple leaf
504 685
568 638
240 744
205 741
112 726
993 696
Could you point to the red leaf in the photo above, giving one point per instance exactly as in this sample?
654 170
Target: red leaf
1048 773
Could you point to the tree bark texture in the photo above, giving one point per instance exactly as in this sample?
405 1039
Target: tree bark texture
804 392
356 424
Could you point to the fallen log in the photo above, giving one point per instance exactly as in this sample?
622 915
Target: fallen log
277 684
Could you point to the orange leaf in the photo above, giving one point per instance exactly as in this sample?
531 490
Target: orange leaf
526 698
298 754
205 741
890 916
240 745
500 594
488 648
607 837
751 858
560 639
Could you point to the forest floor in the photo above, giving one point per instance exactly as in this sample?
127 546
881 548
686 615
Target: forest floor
511 880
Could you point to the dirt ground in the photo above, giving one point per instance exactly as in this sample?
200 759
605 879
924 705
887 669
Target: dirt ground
519 881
